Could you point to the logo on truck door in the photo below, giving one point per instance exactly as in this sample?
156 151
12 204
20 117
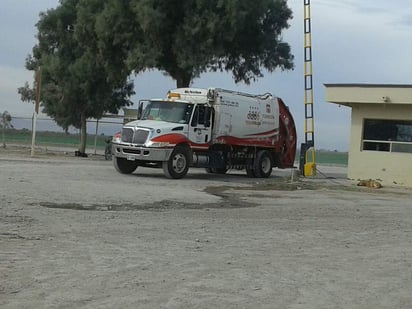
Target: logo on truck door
253 116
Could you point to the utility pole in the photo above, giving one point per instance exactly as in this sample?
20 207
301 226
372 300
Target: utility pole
307 163
36 110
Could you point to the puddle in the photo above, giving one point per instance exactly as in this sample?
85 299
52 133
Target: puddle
228 199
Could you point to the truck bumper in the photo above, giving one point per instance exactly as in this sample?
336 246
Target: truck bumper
141 153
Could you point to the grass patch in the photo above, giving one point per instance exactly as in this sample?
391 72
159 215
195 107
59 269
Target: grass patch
46 138
328 157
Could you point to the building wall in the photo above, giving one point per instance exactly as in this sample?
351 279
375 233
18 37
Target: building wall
369 95
389 167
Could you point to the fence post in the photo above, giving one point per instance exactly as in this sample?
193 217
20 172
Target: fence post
33 136
95 135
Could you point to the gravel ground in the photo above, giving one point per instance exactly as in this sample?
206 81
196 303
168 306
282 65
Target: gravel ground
76 234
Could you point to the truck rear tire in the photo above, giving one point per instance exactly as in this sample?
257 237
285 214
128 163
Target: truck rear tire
124 166
263 164
178 164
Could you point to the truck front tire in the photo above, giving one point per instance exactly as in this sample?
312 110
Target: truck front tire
124 166
178 164
263 164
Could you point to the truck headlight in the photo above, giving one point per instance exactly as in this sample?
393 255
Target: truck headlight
117 138
158 144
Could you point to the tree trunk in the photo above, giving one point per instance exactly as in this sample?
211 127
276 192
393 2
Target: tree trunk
3 136
183 80
83 133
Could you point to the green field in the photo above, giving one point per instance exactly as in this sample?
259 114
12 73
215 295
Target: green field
52 139
331 157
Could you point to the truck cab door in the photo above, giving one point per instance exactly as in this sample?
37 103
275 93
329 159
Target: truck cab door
200 129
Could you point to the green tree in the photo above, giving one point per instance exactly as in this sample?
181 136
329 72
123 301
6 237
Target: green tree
27 93
185 38
81 78
88 48
5 123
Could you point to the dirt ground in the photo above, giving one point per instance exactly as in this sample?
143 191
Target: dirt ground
76 234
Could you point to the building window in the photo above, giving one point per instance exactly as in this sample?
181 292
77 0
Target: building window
387 135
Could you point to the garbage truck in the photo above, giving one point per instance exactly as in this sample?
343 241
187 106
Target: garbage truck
215 129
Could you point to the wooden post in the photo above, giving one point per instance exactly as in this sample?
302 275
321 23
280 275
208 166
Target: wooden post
36 110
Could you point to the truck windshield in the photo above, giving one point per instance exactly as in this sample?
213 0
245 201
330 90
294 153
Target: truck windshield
168 111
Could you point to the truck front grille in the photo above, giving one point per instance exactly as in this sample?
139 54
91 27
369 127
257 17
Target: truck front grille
138 136
127 135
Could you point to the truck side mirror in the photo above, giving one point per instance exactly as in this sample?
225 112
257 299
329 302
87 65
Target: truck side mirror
140 111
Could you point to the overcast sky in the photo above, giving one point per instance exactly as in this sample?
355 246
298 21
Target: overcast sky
353 41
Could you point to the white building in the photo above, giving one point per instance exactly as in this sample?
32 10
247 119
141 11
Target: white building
381 130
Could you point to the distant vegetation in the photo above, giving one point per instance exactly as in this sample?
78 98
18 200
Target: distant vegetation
5 123
328 157
46 138
331 157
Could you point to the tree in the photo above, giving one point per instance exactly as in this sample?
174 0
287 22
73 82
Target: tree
185 38
5 123
27 94
88 48
80 78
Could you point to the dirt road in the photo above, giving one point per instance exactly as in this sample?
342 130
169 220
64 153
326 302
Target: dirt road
76 234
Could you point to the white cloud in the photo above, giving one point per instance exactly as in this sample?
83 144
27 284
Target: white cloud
17 28
360 46
17 32
10 79
330 133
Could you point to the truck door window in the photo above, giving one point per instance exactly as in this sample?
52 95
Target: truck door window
198 116
201 116
207 115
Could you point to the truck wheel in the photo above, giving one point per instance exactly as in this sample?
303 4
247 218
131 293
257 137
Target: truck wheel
263 164
125 166
178 164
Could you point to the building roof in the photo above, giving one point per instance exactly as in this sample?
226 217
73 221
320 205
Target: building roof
362 85
352 93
